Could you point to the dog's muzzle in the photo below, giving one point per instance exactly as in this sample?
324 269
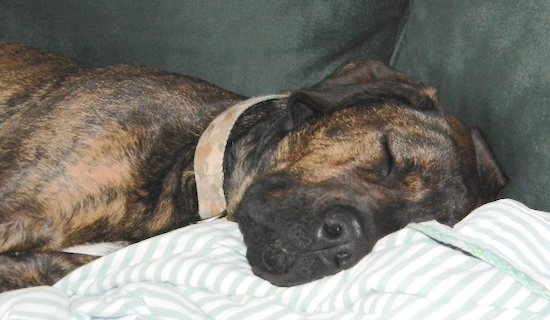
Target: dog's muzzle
308 233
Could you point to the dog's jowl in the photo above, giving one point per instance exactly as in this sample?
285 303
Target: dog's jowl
313 179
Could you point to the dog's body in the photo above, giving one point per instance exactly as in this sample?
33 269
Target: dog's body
105 154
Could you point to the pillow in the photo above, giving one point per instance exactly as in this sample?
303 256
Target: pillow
491 62
249 46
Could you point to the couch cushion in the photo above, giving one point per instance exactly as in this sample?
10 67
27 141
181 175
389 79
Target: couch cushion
491 62
249 46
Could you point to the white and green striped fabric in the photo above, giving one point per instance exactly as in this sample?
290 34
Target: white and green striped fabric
495 264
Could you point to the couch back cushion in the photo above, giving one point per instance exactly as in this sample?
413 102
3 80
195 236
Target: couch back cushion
491 62
248 46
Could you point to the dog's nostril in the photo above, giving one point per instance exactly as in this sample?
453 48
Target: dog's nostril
343 260
333 226
333 230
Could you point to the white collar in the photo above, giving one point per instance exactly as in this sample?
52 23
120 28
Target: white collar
209 156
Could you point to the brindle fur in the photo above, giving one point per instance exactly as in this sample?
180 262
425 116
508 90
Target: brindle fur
105 154
89 155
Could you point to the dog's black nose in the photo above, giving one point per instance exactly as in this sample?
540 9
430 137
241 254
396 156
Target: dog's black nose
340 232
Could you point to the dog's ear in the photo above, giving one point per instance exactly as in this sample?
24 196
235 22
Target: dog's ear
340 89
491 176
363 70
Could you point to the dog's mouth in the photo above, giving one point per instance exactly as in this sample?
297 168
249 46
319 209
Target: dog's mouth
284 267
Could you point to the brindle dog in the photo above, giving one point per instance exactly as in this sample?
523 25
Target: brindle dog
314 180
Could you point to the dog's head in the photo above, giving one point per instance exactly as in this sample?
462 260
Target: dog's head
365 152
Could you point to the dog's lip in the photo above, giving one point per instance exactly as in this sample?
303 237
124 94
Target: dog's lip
293 277
327 257
281 280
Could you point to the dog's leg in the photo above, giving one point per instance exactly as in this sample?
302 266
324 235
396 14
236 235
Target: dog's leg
25 233
37 268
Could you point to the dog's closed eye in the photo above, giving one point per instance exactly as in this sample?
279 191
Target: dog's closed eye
388 160
379 164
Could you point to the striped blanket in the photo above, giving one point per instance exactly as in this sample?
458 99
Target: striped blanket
495 264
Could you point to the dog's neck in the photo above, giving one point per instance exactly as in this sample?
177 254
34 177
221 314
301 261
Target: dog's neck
209 158
209 170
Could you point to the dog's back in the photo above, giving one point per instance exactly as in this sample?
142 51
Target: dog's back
28 71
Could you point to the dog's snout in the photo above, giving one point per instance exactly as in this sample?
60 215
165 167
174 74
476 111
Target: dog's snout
304 234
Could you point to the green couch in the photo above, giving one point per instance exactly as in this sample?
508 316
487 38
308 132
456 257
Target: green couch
490 60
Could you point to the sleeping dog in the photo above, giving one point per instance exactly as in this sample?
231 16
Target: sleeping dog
314 178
